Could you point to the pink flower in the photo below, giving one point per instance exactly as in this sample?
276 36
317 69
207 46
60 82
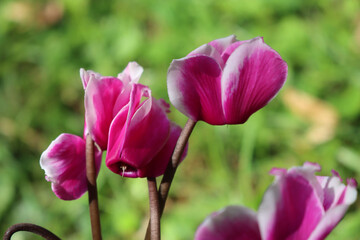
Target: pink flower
298 205
226 81
141 137
65 166
124 119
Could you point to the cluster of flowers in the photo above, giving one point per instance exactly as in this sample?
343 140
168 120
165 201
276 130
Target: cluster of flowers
298 205
125 120
222 82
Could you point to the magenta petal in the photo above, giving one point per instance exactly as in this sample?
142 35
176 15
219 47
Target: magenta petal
103 100
144 134
194 88
158 164
118 131
64 165
292 206
253 75
232 222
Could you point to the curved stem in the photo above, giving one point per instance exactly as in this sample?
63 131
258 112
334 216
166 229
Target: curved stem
92 189
171 168
154 209
29 227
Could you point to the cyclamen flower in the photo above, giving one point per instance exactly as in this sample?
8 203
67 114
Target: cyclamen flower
298 205
226 81
137 134
64 163
125 119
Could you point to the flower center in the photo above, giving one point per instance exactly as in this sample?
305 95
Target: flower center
126 169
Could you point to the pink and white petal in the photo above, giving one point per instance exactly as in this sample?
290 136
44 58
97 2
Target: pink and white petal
308 171
158 164
253 75
101 105
334 214
291 208
333 189
85 76
278 172
328 222
311 166
232 222
209 51
131 73
231 48
64 164
194 88
223 43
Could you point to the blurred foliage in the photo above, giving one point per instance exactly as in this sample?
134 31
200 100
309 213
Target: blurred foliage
316 117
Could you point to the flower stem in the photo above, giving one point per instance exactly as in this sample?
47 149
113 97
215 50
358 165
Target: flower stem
29 227
92 189
154 209
171 168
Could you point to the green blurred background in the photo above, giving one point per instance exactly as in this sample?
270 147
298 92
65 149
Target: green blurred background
316 116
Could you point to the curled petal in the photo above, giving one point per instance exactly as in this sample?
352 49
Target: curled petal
223 43
232 222
253 75
64 164
131 73
333 216
194 88
231 48
103 100
337 199
85 76
142 136
209 51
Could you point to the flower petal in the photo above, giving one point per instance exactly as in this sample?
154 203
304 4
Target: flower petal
338 198
223 43
85 76
292 206
158 164
232 222
131 73
253 75
231 48
64 164
103 100
194 88
144 134
333 216
209 51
